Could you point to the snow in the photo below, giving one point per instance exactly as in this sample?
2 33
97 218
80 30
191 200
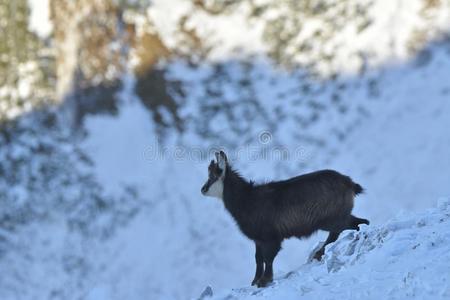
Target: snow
182 242
166 15
126 151
388 130
408 257
228 34
40 18
401 155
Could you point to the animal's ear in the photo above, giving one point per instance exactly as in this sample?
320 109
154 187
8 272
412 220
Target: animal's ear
211 164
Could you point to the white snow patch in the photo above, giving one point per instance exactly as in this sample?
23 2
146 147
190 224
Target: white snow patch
40 18
408 258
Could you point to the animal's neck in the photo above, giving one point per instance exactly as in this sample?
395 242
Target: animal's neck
236 193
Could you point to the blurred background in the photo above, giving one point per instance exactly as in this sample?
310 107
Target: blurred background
110 111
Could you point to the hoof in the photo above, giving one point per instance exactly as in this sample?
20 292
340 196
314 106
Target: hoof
263 282
318 255
255 281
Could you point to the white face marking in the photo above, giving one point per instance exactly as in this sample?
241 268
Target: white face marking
216 189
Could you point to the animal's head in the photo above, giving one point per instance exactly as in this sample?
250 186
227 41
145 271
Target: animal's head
216 174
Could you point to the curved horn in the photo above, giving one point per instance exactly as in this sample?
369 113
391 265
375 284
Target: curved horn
223 156
217 156
221 159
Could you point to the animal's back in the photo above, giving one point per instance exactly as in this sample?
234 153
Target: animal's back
306 201
311 184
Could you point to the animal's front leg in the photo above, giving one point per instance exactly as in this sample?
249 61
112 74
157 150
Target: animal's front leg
269 251
332 237
259 264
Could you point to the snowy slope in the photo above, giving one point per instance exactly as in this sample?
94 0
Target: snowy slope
182 242
401 155
165 250
406 258
367 95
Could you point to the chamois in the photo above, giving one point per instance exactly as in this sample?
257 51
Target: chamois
271 212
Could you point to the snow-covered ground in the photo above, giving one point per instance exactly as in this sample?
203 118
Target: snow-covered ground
406 258
383 120
182 242
401 155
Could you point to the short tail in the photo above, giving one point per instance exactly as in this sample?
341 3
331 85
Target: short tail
358 189
355 222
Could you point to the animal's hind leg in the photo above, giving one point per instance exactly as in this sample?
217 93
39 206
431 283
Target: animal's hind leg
355 221
259 263
269 251
332 237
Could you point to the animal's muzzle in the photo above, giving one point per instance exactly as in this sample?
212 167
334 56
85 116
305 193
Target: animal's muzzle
205 188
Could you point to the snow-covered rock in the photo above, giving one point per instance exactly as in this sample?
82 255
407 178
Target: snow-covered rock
408 257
